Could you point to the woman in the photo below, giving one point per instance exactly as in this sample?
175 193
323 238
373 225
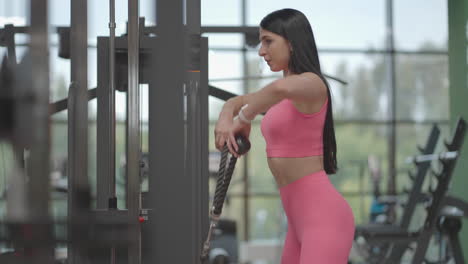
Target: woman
300 138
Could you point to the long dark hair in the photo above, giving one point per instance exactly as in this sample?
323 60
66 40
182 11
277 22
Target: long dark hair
295 28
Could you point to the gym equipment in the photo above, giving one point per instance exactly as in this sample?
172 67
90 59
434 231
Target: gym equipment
428 158
449 224
193 123
376 251
400 238
224 243
222 185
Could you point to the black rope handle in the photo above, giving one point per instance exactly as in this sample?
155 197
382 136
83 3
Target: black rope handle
220 193
220 181
224 177
222 185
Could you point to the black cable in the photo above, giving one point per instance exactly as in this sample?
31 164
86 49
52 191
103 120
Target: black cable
4 169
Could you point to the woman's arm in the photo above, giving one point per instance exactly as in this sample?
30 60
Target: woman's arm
258 102
306 87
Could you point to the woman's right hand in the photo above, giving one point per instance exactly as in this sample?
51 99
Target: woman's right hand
226 130
222 131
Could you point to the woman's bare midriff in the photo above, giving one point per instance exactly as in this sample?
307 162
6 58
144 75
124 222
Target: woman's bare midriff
287 170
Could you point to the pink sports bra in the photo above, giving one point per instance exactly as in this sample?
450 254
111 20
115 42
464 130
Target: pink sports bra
290 133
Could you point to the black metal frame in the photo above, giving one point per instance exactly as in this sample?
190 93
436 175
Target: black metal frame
415 196
402 238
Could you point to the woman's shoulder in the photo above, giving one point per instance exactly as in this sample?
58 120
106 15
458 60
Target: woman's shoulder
312 76
317 98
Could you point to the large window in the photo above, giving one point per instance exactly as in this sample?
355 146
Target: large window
422 87
420 24
227 14
336 23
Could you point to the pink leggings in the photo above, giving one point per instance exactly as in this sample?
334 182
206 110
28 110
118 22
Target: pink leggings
320 222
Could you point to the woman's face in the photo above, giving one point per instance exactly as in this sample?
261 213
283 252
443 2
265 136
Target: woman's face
275 50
